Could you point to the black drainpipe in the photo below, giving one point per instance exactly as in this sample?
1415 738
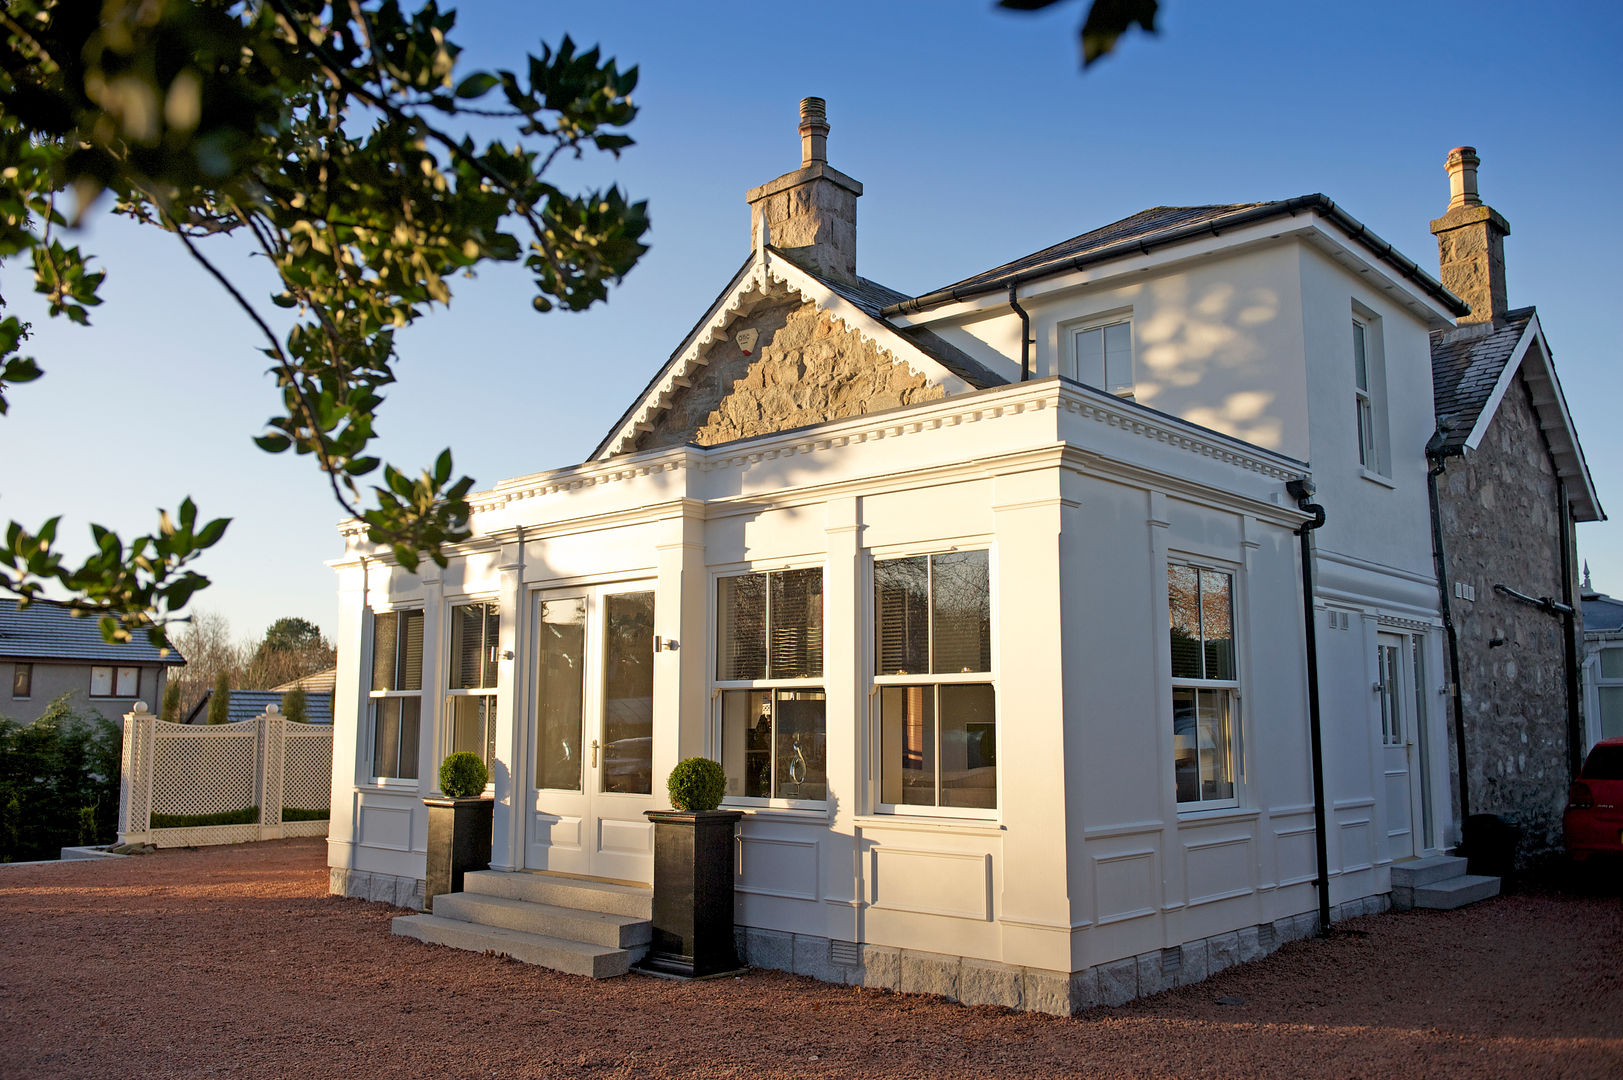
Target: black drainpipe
1435 454
1025 335
1575 734
1302 490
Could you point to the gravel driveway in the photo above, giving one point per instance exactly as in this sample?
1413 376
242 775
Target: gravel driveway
234 961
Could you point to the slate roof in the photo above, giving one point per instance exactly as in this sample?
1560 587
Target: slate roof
49 631
324 682
1160 226
250 705
1465 367
1602 613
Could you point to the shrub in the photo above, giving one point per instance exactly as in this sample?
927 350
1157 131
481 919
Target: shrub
293 706
463 776
248 815
697 783
58 783
220 700
294 813
171 702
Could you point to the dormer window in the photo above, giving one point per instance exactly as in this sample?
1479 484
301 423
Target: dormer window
1104 356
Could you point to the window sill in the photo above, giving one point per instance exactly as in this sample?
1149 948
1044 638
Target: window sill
1214 814
964 826
1376 478
802 815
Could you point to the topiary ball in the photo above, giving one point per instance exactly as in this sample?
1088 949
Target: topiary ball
463 776
697 784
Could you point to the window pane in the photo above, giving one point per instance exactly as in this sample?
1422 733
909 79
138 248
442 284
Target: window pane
560 694
1090 357
796 621
129 679
411 651
1366 433
1217 624
473 728
1119 358
907 738
1391 726
741 627
101 682
385 630
902 615
801 772
1611 664
1185 759
467 646
1360 357
1216 746
394 736
968 746
962 599
22 680
1183 604
628 693
1611 711
746 742
493 635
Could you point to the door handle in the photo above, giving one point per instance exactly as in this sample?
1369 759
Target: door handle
594 753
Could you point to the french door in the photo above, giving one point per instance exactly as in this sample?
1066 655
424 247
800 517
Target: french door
591 733
1401 677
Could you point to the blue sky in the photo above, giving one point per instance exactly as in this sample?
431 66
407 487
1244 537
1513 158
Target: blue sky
977 140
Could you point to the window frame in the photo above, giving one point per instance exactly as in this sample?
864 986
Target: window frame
22 676
490 669
1370 398
1602 683
720 688
1102 321
1232 689
115 673
375 698
878 681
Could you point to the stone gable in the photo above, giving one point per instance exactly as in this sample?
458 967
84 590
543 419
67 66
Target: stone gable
806 369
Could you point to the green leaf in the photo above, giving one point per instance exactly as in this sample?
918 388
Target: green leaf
477 85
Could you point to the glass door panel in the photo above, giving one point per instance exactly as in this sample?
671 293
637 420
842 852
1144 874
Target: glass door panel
628 693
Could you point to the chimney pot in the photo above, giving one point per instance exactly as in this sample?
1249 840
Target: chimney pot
1462 190
813 131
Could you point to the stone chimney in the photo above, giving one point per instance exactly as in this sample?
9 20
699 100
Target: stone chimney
1471 242
810 213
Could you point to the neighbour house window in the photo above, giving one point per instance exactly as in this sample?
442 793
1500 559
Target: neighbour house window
1104 357
397 692
22 680
937 705
769 647
1205 685
115 681
1609 689
471 689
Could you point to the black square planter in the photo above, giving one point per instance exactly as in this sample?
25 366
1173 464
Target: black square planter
459 832
693 893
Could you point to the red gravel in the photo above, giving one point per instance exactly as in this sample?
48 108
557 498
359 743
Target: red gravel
234 961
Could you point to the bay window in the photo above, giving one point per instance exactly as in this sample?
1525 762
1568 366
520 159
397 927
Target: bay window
397 692
936 704
1205 685
471 688
769 660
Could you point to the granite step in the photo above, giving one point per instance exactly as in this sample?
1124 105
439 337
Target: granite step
1417 872
573 957
636 901
1455 892
547 920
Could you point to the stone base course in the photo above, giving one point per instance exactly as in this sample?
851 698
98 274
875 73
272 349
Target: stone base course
988 982
367 885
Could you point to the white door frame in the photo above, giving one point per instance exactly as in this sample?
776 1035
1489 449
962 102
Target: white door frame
1401 716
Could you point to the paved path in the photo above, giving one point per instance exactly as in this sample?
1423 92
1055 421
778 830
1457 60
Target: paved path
233 961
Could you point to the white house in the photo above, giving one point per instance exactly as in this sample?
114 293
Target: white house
990 601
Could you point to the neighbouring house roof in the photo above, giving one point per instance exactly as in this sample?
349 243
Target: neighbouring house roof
250 705
1164 225
1471 369
49 631
316 682
1602 614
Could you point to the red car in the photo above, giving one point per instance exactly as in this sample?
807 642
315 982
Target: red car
1593 823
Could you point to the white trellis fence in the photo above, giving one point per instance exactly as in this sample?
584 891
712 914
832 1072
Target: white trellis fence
180 780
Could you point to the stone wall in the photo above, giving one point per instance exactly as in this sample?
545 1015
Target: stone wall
806 368
1500 526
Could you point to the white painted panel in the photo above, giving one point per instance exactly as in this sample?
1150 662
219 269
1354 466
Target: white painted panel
386 827
1124 885
786 868
933 882
1357 850
1219 869
1296 853
561 832
625 837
